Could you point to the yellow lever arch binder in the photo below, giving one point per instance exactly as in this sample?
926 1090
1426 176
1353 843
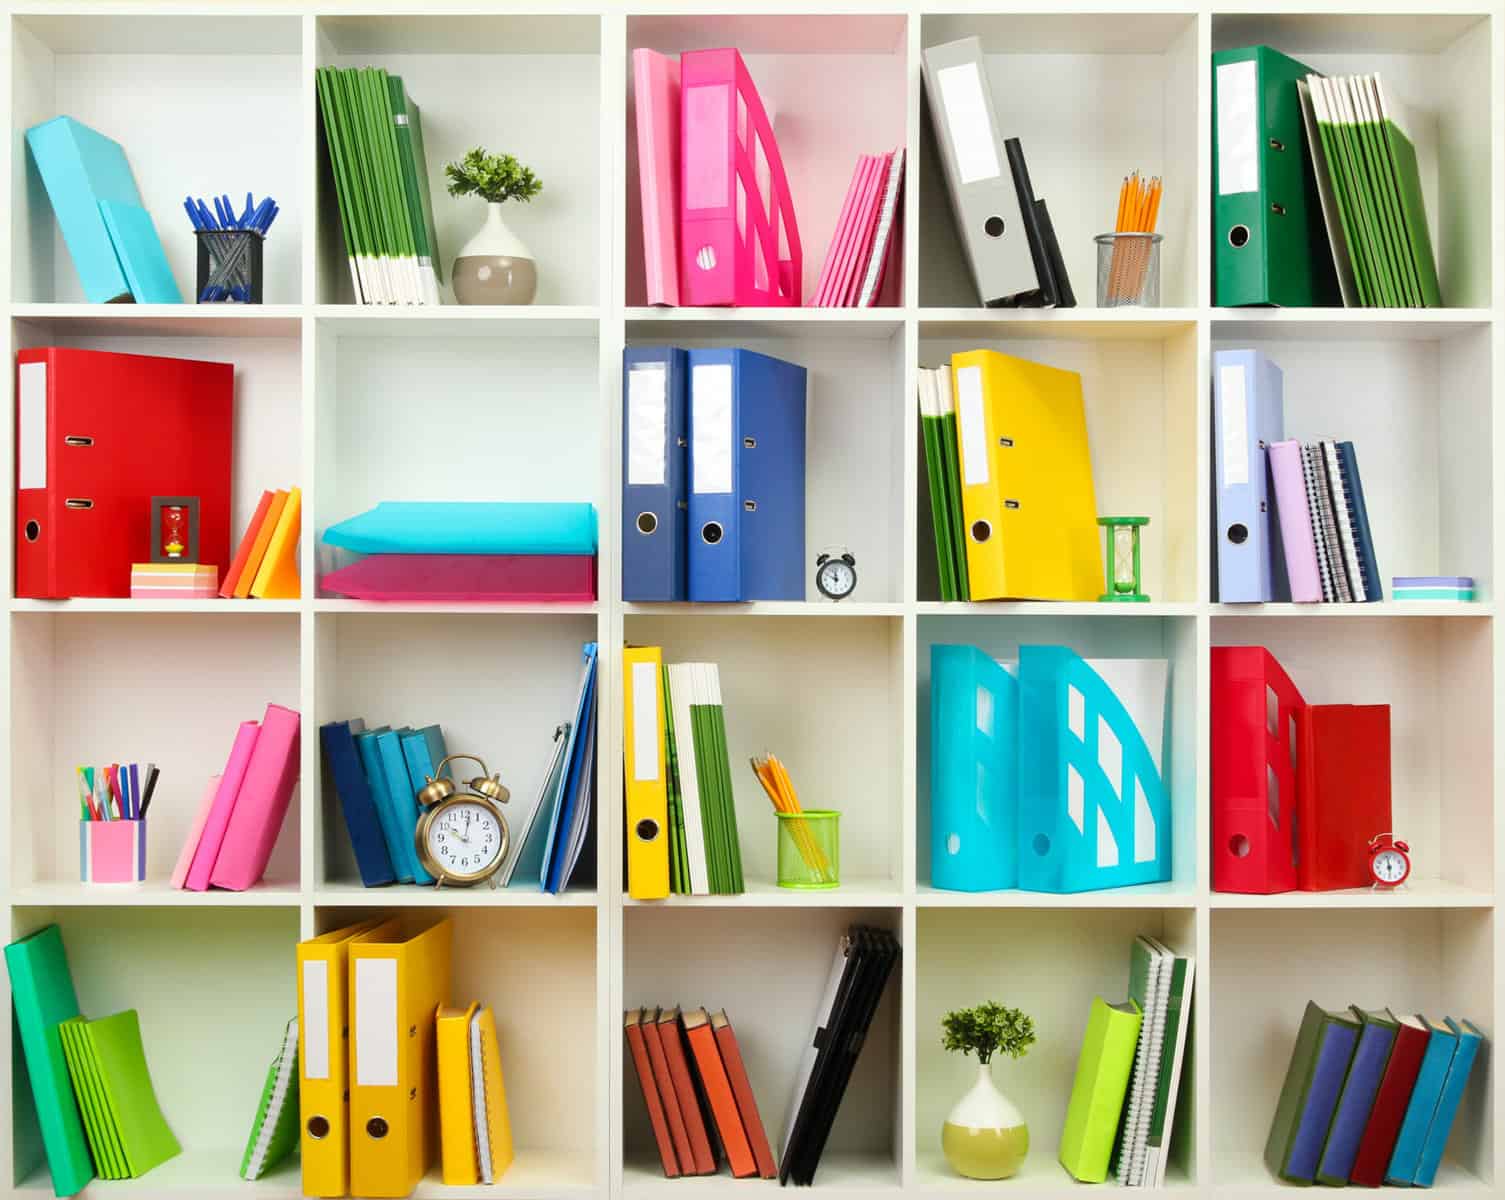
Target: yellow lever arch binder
646 771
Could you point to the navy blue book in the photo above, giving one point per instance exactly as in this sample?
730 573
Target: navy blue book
1359 1089
655 470
1309 1096
356 802
1369 566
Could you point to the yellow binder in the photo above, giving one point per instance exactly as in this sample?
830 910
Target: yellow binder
323 1078
277 577
1026 474
477 1148
647 775
397 984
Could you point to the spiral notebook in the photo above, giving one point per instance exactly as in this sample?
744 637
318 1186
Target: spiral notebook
274 1133
1160 982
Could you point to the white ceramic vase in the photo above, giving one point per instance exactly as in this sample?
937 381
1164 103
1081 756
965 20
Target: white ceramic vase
494 267
985 1136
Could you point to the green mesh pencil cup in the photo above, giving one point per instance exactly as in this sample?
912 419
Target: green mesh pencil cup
809 849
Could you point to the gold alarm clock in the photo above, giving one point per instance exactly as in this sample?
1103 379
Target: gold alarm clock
462 836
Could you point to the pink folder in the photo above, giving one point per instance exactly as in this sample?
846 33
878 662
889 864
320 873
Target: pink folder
265 793
720 263
468 578
224 805
655 84
838 235
867 221
1295 522
195 833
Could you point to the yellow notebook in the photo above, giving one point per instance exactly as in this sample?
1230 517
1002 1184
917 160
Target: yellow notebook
647 779
475 1130
277 577
1027 495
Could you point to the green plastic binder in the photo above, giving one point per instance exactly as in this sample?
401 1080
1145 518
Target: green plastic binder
1097 1092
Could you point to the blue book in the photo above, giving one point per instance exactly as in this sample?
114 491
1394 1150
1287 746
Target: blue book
1469 1041
391 826
655 470
561 825
444 527
366 837
402 797
1308 1097
1352 1117
1248 414
423 750
140 253
1358 516
1412 1139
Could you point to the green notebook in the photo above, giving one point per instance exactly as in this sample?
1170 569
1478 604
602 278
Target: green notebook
679 871
104 1140
408 123
1149 986
935 478
1097 1092
274 1132
1393 122
951 466
1172 1060
131 1102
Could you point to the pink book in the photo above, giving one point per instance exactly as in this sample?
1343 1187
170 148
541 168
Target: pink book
195 832
868 167
886 236
224 804
468 578
655 85
720 263
838 235
265 793
862 246
1295 522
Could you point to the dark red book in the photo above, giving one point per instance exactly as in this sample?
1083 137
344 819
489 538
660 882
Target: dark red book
1390 1102
633 1023
1343 792
702 1161
665 1081
747 1103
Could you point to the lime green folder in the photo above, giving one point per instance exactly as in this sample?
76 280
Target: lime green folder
104 1141
130 1101
1408 187
1097 1093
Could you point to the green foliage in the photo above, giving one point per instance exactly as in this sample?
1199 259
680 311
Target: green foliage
495 178
986 1030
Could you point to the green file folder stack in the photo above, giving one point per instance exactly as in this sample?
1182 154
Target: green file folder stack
127 1133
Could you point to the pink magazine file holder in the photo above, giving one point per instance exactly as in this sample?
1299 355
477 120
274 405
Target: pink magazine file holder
655 85
112 851
738 240
468 578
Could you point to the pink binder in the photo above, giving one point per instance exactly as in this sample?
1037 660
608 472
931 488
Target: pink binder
655 84
737 245
224 805
466 578
264 795
195 833
1295 522
839 253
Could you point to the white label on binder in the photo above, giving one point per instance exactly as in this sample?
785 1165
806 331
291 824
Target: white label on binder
711 428
967 121
32 436
316 1019
1238 128
375 1029
645 741
974 427
647 424
1235 425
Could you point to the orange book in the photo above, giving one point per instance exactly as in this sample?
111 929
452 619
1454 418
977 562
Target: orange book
747 1103
259 546
243 551
718 1090
702 1160
665 1083
633 1023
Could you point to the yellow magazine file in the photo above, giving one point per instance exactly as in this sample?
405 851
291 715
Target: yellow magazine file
457 1131
277 577
496 1155
1026 474
645 769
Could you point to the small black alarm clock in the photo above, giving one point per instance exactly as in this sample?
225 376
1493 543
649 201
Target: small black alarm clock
835 574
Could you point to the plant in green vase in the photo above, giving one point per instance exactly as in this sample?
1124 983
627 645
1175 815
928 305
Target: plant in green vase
494 267
985 1136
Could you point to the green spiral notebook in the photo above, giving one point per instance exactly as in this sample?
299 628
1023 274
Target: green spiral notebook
274 1133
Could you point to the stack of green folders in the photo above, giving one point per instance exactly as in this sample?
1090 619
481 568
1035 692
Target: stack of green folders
128 1135
938 429
705 856
1370 189
374 139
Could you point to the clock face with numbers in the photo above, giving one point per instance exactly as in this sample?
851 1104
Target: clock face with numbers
1390 867
462 840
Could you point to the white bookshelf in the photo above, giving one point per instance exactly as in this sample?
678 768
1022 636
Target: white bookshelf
359 404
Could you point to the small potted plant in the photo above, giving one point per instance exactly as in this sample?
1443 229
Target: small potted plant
494 267
985 1136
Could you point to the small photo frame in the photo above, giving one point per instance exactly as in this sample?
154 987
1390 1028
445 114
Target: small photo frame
175 529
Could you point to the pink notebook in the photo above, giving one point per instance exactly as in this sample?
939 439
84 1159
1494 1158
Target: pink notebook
839 235
867 220
224 805
1295 522
468 578
265 793
655 86
195 832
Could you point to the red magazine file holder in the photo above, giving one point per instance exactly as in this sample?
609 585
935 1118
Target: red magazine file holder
1255 714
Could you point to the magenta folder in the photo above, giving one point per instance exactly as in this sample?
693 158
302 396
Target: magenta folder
468 578
1295 522
850 281
724 259
265 793
655 86
224 806
845 232
195 833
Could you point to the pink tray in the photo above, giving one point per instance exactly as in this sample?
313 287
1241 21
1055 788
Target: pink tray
479 578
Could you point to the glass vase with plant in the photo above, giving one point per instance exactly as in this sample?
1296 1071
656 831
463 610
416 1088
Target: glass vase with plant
984 1136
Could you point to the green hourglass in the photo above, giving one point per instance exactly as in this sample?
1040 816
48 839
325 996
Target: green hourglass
1123 557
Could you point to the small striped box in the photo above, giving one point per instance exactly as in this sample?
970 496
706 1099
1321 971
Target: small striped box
1432 587
174 581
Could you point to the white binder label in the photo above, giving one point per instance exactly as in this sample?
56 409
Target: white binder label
31 438
711 428
375 1029
974 426
1235 425
645 722
967 121
316 1019
1238 128
647 424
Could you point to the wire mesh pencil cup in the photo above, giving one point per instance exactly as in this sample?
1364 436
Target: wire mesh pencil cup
809 849
1128 269
229 266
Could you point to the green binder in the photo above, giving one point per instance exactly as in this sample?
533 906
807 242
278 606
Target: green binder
1097 1092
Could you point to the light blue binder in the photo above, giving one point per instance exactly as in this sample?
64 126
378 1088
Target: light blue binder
140 252
1425 1095
1469 1040
1248 414
398 850
1093 808
79 168
422 750
974 730
402 797
458 527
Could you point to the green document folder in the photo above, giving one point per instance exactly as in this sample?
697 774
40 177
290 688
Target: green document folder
408 123
951 466
930 433
1097 1092
43 997
131 1102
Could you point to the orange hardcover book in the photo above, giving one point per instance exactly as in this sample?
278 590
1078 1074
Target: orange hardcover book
718 1090
665 1083
747 1103
259 546
702 1160
637 1045
243 551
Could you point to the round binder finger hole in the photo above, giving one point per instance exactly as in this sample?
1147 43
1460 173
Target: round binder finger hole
1238 236
377 1127
1238 846
647 522
954 844
646 829
33 531
705 258
710 532
318 1128
1238 534
993 227
981 531
1041 845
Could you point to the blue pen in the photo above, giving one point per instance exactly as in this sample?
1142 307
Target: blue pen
125 791
135 791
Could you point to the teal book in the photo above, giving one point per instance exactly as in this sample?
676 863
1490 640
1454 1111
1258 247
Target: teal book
403 798
1469 1042
423 750
140 253
400 851
1425 1096
275 1132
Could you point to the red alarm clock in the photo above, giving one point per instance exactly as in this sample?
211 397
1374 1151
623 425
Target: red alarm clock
1389 861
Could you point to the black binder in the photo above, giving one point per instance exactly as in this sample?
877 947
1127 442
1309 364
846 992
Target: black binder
1050 270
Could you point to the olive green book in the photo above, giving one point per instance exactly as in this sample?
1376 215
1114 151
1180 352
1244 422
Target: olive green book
1097 1092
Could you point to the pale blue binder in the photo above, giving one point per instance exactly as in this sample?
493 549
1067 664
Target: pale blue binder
402 797
1426 1092
459 527
1469 1040
1248 414
974 730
